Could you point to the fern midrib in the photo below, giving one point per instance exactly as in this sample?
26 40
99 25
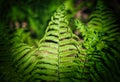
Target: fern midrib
59 52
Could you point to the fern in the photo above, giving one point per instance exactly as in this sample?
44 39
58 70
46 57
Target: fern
7 72
23 56
101 44
57 51
15 56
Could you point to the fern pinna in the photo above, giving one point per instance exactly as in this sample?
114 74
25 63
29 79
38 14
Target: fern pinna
101 43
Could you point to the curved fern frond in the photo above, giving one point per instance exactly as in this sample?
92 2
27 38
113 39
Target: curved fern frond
24 60
102 44
57 51
17 59
7 71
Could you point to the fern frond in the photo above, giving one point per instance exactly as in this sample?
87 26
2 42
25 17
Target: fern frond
101 44
101 35
57 51
7 71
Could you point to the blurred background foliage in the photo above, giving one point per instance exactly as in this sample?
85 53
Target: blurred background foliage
32 16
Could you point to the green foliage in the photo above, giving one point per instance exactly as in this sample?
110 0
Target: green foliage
101 44
7 72
54 58
61 56
57 51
